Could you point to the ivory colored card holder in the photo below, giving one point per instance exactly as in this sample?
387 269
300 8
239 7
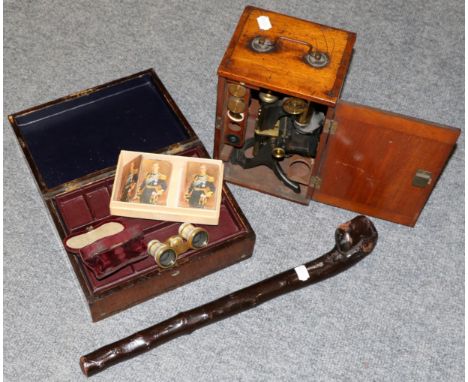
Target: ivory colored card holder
167 187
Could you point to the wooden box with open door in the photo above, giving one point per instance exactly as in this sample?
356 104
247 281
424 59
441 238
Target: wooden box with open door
281 128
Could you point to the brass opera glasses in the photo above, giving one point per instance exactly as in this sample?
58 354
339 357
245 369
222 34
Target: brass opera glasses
189 237
354 240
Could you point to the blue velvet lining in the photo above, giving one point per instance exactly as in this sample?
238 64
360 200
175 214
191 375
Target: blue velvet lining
76 137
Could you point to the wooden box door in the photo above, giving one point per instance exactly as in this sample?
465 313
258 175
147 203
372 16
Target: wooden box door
381 164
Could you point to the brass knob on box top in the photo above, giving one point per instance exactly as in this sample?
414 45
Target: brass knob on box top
317 59
262 44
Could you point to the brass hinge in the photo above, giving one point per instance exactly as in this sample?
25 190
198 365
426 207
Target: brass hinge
315 182
218 123
330 126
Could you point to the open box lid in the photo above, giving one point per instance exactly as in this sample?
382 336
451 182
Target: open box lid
81 135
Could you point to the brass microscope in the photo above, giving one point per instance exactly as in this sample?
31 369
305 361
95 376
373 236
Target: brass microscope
285 126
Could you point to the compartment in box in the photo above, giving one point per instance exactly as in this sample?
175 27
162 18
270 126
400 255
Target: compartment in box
78 215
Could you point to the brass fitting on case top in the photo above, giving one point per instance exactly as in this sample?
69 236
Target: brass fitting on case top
166 253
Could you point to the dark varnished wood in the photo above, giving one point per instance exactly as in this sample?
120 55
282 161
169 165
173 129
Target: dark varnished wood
369 163
354 241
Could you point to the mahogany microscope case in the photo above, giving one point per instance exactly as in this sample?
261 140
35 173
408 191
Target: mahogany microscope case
75 176
371 161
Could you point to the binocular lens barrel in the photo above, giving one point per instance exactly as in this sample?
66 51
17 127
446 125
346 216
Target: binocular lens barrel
163 254
200 239
197 237
167 258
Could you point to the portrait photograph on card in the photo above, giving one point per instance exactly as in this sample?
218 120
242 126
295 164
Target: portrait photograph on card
153 182
199 186
129 180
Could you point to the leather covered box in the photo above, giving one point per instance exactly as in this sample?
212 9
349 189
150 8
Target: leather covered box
72 146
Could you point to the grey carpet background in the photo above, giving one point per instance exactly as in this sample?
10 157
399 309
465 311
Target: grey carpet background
397 316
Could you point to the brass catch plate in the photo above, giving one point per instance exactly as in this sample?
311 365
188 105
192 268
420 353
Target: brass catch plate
422 178
316 182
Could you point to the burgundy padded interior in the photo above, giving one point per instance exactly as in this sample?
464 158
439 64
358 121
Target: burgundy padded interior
88 207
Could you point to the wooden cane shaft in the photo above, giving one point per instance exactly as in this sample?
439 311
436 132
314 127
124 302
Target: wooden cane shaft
319 269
